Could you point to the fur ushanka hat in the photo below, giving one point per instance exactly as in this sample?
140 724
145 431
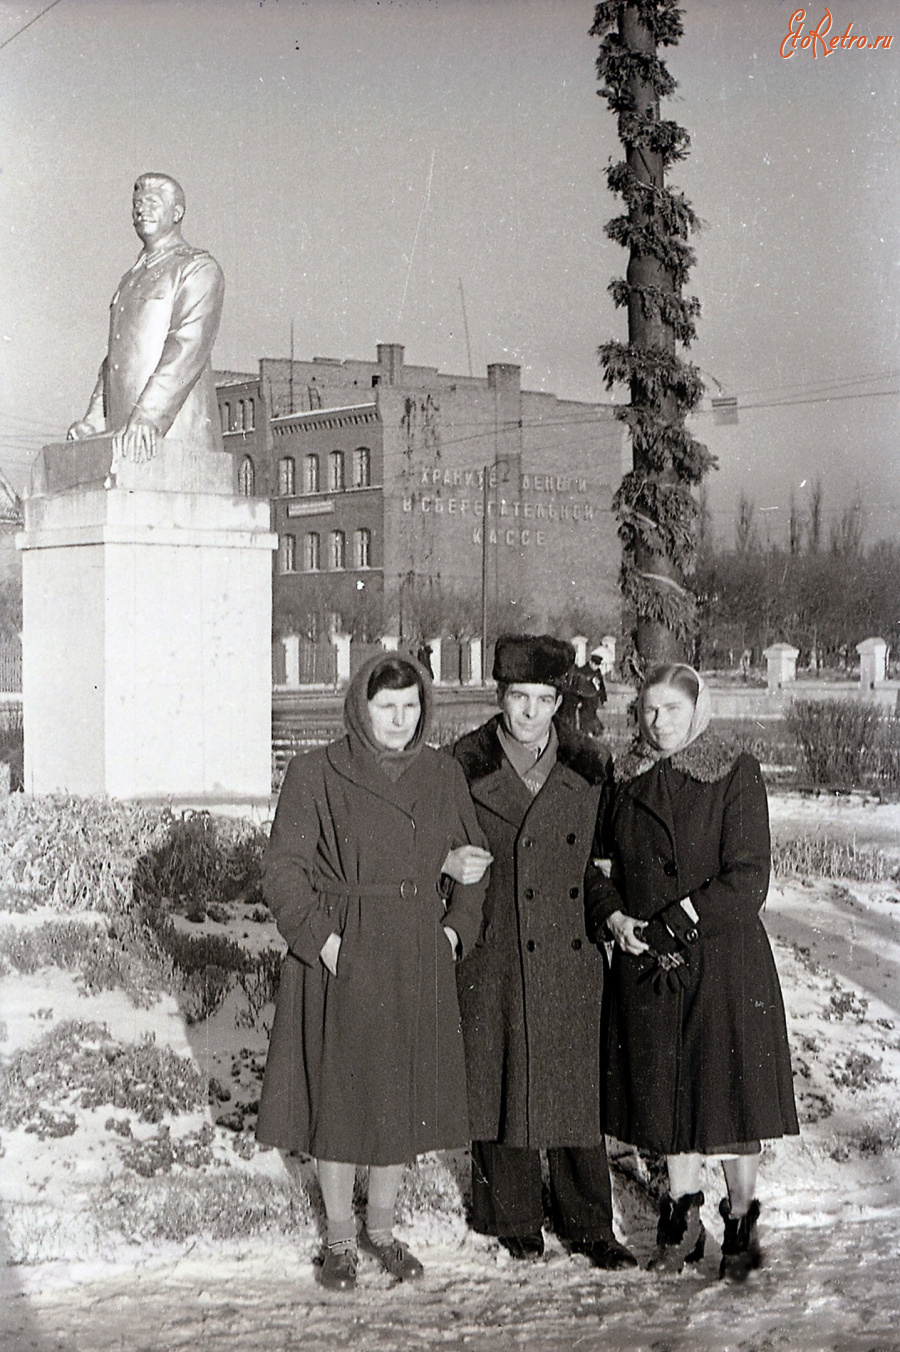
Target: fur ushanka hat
532 659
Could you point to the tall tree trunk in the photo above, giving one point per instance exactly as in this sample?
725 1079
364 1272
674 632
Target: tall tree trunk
656 509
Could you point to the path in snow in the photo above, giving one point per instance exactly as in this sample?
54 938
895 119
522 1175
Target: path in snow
828 1289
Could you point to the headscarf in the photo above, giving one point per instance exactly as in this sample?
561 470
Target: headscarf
359 724
699 719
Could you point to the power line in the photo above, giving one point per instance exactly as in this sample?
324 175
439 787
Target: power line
26 26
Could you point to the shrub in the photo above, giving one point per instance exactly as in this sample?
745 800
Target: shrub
201 861
12 745
78 1064
846 743
822 857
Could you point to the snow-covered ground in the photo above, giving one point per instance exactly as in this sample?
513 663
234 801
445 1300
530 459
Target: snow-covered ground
830 1199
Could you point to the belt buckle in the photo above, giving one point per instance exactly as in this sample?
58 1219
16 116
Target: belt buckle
408 889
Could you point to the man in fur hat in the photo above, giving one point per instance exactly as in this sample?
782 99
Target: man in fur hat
530 991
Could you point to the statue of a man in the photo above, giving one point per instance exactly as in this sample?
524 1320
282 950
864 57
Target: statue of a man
156 379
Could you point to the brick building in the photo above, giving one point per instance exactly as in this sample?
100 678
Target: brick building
376 474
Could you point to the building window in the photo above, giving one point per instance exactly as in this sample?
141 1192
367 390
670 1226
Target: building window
247 478
288 549
311 474
336 461
225 415
363 548
286 478
338 549
362 467
239 425
311 553
250 422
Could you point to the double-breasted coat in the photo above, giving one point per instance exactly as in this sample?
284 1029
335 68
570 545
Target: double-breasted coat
704 1063
163 321
530 992
368 1066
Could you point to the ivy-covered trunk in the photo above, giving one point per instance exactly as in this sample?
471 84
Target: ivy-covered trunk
657 512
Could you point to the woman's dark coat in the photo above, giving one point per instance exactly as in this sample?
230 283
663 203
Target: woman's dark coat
706 1064
368 1067
530 992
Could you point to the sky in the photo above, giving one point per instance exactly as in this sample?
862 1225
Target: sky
360 166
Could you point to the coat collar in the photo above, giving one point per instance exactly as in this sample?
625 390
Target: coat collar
481 754
494 783
708 759
363 771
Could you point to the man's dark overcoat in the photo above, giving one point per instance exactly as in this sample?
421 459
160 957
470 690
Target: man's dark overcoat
368 1067
701 1065
530 992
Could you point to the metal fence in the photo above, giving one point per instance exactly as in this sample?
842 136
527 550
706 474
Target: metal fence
10 666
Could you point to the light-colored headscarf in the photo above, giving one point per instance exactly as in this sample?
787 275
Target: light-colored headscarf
359 724
699 720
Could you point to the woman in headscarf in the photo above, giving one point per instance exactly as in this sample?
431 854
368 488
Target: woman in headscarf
375 874
697 1054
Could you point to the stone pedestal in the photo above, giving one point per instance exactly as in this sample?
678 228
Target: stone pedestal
147 628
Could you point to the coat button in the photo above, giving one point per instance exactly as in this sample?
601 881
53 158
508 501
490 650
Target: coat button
692 936
408 888
576 944
527 843
670 868
573 892
530 945
571 838
529 893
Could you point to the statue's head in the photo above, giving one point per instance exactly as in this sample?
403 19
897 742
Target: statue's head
157 206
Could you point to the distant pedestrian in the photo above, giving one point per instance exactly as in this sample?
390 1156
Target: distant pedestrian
375 875
697 1059
530 992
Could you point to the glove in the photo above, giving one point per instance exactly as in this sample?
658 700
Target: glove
670 959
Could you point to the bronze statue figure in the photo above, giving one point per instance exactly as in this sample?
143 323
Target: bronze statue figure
156 379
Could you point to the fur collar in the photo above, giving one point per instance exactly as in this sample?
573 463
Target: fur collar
481 754
708 759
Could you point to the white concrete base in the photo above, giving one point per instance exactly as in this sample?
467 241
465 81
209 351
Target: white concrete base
147 644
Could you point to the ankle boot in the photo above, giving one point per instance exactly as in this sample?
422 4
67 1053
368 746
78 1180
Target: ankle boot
680 1234
741 1253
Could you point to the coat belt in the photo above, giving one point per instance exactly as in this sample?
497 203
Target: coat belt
334 887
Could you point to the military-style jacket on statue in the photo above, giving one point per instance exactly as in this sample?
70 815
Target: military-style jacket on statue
530 992
163 322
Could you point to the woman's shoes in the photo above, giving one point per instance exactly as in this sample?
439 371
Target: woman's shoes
741 1253
338 1270
680 1234
394 1257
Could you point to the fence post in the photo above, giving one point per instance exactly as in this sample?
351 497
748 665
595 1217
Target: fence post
342 655
292 660
781 665
872 662
476 675
435 660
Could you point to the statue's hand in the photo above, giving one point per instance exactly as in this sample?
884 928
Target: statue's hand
79 430
137 440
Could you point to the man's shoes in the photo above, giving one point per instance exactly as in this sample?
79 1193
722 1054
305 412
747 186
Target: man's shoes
338 1270
607 1254
394 1257
523 1246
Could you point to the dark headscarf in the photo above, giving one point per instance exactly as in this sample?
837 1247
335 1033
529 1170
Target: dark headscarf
359 725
